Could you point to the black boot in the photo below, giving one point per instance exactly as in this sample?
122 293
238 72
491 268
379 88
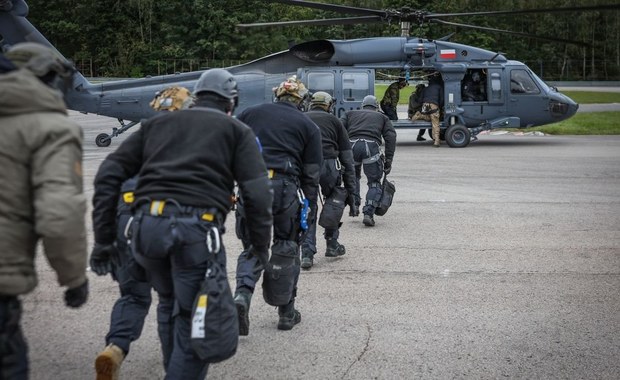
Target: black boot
242 302
368 220
307 258
289 316
334 249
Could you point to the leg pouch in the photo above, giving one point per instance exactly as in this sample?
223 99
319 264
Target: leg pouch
281 272
215 327
333 208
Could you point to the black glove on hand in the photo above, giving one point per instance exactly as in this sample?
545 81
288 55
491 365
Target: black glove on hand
103 258
261 253
387 167
353 209
76 297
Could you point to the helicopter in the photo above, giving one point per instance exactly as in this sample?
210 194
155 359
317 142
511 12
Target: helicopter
515 96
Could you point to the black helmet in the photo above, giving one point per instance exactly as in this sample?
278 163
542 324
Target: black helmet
218 81
370 101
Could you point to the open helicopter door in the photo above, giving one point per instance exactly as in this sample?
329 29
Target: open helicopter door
347 86
488 101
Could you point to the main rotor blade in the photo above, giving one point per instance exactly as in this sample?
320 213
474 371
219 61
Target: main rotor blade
332 7
327 21
523 11
510 32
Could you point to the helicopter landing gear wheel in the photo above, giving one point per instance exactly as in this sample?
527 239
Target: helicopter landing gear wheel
103 140
458 136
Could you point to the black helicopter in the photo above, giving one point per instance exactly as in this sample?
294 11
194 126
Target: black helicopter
515 96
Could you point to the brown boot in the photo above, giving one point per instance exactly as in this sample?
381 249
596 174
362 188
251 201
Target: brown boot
108 363
436 137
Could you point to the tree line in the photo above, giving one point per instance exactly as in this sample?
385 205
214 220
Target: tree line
134 38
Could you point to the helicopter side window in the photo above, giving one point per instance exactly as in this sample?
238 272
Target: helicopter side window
354 86
473 86
322 81
522 83
496 86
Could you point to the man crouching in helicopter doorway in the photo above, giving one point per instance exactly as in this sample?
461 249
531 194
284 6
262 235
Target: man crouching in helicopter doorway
432 103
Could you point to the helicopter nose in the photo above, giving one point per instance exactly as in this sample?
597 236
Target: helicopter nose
563 107
572 109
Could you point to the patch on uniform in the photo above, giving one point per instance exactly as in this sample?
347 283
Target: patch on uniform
172 99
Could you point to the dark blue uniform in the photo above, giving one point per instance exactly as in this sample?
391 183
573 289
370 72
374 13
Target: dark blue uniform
130 310
291 145
337 163
187 162
367 129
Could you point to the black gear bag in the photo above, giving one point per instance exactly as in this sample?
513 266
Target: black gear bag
388 189
334 208
215 326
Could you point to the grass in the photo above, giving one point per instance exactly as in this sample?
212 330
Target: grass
590 123
581 97
593 97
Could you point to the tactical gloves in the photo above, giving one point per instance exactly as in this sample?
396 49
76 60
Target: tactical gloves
76 297
353 209
103 258
387 166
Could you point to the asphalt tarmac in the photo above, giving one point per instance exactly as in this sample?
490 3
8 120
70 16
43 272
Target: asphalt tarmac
499 260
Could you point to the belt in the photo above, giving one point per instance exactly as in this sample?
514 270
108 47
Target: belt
170 207
273 174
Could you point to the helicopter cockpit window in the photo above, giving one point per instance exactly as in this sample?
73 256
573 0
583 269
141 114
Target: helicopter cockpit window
354 86
322 81
522 83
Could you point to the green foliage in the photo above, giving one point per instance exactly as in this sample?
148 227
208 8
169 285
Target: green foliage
148 36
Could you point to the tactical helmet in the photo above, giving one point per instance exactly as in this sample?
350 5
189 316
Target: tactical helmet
370 100
172 99
292 87
321 98
218 81
39 59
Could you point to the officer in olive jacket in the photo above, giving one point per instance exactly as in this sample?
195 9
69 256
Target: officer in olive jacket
41 195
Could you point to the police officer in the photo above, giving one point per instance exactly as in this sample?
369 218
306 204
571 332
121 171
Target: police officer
432 102
130 310
367 129
337 163
187 163
390 99
42 191
415 105
292 151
